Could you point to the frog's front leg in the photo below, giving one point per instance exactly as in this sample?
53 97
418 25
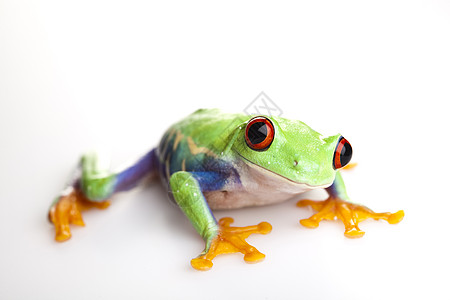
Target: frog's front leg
338 206
219 238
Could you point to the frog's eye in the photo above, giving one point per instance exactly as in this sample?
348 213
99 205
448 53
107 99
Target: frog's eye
342 154
259 133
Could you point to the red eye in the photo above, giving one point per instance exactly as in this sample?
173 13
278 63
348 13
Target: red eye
342 154
259 133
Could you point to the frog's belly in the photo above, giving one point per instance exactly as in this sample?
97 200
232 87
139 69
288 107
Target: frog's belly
238 199
257 186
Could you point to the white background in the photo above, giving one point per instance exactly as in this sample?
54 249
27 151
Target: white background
81 74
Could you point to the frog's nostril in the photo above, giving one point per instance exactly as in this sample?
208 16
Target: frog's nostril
295 163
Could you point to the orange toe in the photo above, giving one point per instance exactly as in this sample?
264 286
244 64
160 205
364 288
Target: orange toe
349 213
231 240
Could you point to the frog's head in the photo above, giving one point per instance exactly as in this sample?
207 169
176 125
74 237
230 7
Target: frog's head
291 149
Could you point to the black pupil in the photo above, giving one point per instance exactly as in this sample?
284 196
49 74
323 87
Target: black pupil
346 154
257 132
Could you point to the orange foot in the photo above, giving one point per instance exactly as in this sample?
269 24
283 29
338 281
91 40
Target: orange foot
231 240
349 213
67 210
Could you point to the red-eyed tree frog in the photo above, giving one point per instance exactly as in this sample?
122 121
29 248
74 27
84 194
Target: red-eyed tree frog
213 160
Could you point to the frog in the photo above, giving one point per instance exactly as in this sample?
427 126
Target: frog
215 160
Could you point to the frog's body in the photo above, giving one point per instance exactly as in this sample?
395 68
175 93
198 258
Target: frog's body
233 183
220 161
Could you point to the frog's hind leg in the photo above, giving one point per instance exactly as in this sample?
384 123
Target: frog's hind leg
92 186
67 210
338 206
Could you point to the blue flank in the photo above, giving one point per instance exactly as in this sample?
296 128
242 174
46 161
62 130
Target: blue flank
212 174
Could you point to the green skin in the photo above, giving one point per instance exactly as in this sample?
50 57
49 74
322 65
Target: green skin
194 151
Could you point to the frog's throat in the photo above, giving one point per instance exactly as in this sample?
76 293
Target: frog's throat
264 170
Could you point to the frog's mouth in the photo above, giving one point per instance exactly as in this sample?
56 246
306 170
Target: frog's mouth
266 174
